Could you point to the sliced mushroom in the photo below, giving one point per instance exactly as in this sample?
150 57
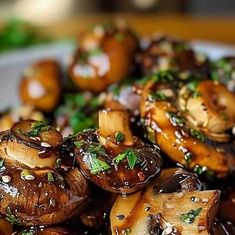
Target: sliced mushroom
113 160
103 59
180 143
34 189
41 85
175 213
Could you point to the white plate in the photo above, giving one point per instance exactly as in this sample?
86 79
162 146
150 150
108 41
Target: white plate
13 63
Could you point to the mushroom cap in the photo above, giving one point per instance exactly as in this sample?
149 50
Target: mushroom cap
120 176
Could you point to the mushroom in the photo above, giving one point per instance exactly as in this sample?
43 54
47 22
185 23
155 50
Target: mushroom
34 189
148 212
114 159
46 231
181 143
40 85
165 53
97 212
104 57
9 117
209 106
6 227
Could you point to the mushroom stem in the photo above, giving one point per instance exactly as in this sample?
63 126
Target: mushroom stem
112 122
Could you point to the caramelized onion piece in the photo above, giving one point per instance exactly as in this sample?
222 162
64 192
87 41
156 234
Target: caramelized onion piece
170 133
116 168
212 109
41 85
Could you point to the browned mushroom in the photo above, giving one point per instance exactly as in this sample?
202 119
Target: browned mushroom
165 53
41 85
34 189
114 159
97 213
46 231
181 143
104 57
6 227
149 212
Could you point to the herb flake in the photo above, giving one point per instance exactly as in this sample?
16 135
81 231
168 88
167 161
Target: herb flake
190 216
119 137
130 155
199 135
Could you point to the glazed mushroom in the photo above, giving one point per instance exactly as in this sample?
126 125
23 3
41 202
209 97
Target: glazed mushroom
46 231
6 227
114 159
8 118
104 57
34 189
96 215
165 53
168 128
40 85
147 212
209 107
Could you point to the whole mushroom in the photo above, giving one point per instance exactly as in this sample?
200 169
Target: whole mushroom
40 85
104 57
113 158
34 189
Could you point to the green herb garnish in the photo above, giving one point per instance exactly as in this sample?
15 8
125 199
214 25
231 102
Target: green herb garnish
190 216
79 143
50 177
37 127
97 165
157 96
1 163
130 155
119 137
192 88
175 119
199 135
26 233
11 217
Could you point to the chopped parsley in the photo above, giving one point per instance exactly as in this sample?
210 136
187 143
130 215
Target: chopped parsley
199 135
50 177
1 163
97 165
11 217
130 155
164 76
157 96
190 216
37 127
192 88
175 119
26 233
79 143
119 137
188 157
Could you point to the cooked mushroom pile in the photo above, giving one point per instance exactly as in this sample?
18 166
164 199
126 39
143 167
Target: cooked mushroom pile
139 140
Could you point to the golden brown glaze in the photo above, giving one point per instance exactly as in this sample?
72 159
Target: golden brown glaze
118 177
177 143
6 227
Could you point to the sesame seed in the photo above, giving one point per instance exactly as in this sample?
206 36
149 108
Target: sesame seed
6 179
45 144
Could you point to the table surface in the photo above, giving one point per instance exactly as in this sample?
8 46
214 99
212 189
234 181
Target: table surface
220 29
